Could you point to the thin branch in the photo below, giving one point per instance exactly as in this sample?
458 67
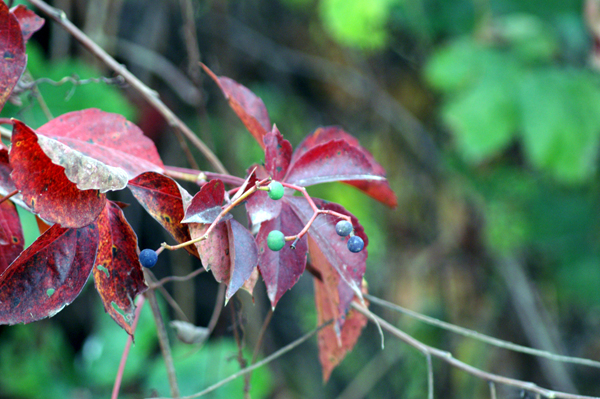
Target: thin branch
492 390
163 340
261 363
118 379
150 96
465 332
429 376
217 309
259 340
168 279
448 358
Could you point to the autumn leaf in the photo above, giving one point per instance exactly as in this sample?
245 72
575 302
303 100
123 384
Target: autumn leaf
13 59
117 271
205 206
248 107
108 138
11 235
29 21
48 275
243 253
165 201
44 185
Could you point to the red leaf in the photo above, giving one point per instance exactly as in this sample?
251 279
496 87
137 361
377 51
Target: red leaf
44 185
281 269
13 58
379 190
333 248
278 153
205 207
11 235
164 200
48 275
106 137
244 256
214 251
259 206
29 21
248 107
117 271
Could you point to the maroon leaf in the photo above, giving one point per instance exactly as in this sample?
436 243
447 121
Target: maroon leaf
278 153
11 235
48 275
350 266
259 206
205 207
44 185
117 272
281 269
214 251
164 200
106 137
12 49
28 21
248 107
377 189
244 256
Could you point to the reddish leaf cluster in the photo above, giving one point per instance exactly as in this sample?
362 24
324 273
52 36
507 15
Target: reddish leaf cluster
63 170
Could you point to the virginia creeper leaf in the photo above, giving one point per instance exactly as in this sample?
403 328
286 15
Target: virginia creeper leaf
214 251
205 207
13 58
48 275
29 21
106 137
165 201
44 185
377 189
281 269
334 250
11 235
278 153
248 107
7 185
244 256
259 206
117 271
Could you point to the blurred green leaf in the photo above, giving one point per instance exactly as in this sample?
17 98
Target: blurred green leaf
561 122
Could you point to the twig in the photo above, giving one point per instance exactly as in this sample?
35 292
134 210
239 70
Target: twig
198 176
492 390
7 196
217 309
259 340
150 96
261 363
163 340
429 376
448 358
465 332
119 378
240 357
168 279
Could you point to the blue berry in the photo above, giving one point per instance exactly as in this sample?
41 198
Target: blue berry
343 228
355 244
275 240
148 258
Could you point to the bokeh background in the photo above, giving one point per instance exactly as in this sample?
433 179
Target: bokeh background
486 115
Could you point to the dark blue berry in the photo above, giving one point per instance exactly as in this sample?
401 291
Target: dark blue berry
148 258
343 228
355 244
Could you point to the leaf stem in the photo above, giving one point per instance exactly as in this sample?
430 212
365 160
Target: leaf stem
151 96
7 196
225 178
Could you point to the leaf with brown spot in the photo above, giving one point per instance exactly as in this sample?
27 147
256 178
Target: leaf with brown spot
48 275
248 107
164 200
29 21
11 235
118 275
12 53
106 137
45 187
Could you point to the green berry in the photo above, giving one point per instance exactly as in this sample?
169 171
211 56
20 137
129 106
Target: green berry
275 240
275 190
355 244
343 228
148 258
